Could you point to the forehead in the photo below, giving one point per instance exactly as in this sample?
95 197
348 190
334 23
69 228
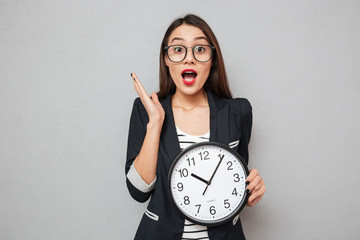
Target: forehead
188 34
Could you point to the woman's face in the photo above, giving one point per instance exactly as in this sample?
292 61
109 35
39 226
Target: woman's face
188 75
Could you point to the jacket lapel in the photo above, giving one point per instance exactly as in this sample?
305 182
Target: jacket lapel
219 119
170 139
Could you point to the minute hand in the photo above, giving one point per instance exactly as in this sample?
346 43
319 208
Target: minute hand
212 176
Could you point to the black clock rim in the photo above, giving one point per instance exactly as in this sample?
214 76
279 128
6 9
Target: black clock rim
236 211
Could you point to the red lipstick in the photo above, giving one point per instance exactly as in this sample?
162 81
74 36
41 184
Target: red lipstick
189 76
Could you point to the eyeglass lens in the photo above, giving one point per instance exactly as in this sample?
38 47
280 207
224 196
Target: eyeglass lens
177 53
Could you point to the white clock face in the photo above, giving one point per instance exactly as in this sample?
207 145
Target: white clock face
207 183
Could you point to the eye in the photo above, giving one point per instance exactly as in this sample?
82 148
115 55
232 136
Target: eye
200 49
178 49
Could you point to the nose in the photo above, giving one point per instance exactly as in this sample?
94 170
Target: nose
189 56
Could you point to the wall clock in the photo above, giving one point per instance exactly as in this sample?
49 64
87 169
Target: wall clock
207 183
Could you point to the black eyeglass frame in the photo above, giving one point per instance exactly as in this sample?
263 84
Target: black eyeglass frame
211 47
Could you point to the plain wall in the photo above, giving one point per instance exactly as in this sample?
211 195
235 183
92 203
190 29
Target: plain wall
66 96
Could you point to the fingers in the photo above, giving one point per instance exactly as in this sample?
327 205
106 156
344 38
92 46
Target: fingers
252 174
256 187
155 97
145 98
139 87
136 85
253 179
256 196
152 105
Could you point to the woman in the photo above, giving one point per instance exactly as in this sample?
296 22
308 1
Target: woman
194 104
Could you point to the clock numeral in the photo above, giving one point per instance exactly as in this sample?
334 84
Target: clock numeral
212 210
183 172
237 178
198 205
204 155
191 160
226 203
234 192
230 165
180 186
186 200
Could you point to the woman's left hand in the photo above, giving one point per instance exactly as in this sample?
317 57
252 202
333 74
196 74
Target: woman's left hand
256 187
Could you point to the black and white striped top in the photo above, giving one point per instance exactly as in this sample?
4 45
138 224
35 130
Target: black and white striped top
191 230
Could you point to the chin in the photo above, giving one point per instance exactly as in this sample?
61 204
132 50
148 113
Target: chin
190 91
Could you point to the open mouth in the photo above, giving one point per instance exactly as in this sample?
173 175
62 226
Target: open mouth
189 76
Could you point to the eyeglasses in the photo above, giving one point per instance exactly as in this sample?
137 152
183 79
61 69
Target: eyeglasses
177 53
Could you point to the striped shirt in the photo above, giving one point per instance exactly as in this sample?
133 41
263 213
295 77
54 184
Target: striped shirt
191 230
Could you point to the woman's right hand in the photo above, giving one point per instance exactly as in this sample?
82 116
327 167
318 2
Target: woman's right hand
152 105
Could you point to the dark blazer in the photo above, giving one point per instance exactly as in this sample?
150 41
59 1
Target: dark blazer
230 122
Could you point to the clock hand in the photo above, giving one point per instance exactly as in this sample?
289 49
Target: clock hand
205 189
212 176
221 158
199 178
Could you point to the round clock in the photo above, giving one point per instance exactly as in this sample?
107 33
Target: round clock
207 183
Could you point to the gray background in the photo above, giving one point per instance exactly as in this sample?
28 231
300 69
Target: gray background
66 97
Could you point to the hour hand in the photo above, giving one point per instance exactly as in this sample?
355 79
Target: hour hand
200 178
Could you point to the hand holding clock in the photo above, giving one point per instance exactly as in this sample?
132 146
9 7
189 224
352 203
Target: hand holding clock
256 187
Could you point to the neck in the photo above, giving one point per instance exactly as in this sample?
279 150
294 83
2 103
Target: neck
182 100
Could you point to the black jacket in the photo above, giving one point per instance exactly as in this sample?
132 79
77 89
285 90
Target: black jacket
230 122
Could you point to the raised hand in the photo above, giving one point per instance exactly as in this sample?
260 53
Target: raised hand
146 161
152 105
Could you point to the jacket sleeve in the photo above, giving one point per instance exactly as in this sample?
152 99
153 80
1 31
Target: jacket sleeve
246 125
137 131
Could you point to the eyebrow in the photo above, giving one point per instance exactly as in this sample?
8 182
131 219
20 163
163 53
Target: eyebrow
197 38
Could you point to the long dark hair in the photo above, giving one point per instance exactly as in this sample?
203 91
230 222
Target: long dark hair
217 81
